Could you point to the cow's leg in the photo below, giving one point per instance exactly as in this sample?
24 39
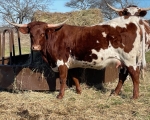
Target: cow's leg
77 84
143 74
122 77
63 71
135 79
75 73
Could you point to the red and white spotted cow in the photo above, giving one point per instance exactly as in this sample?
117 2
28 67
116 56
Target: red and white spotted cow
131 11
120 41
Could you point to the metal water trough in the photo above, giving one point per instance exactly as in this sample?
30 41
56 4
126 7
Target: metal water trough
30 72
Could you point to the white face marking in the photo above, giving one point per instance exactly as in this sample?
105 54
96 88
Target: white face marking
104 34
133 10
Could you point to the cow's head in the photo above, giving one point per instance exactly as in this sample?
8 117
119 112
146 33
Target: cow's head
37 31
131 10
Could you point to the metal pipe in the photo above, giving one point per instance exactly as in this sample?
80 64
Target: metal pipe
0 47
3 48
11 44
19 45
31 61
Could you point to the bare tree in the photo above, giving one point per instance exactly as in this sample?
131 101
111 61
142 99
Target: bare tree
101 4
21 10
81 4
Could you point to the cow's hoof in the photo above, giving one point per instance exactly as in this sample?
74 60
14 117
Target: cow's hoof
59 96
134 97
78 91
113 93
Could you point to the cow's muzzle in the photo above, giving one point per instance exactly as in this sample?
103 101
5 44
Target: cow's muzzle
36 47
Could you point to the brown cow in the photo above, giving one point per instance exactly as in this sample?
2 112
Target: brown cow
120 41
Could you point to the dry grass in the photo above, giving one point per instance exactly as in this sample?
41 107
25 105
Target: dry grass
92 104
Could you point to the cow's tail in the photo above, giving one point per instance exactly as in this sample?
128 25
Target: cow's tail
143 49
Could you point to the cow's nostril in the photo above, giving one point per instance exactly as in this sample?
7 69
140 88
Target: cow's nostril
36 47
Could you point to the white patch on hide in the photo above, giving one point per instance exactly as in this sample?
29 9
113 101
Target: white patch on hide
104 34
60 62
120 21
97 41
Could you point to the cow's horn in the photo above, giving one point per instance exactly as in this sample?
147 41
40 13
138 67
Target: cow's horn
57 25
146 9
115 9
15 24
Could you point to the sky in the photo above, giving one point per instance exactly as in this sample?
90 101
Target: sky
59 6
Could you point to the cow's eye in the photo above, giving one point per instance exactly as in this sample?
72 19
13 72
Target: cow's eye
125 12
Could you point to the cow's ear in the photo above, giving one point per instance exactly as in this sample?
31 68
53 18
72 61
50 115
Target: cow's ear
24 30
142 13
